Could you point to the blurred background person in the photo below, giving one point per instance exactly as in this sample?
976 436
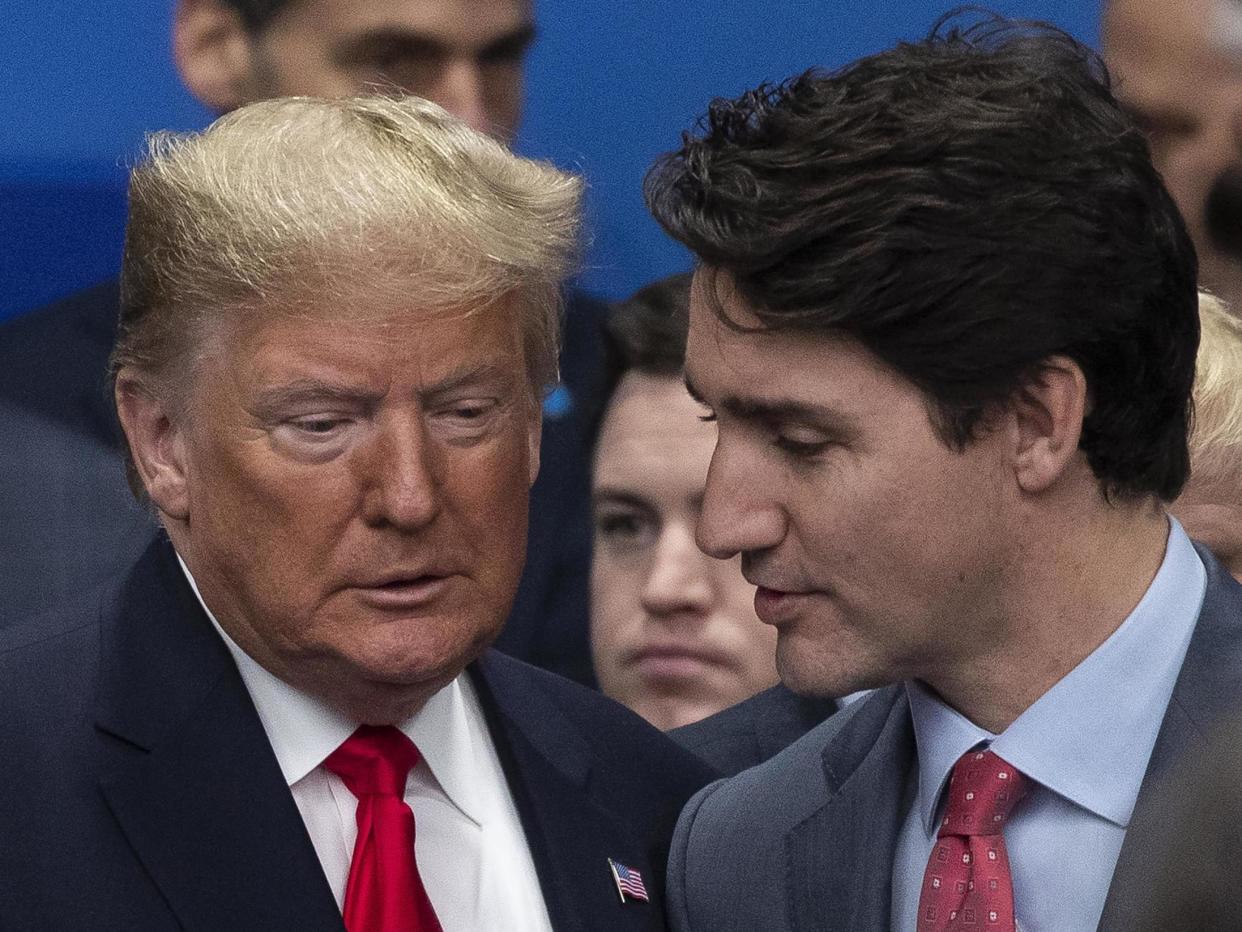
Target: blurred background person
1210 507
1177 67
674 633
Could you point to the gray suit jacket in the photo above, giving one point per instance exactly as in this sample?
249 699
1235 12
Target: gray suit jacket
806 841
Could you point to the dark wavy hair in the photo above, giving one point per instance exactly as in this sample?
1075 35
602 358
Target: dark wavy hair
966 207
644 333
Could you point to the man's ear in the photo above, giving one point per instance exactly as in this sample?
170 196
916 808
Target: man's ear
214 53
156 445
1048 412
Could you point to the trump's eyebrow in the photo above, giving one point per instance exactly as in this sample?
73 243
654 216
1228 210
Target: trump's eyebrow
307 390
304 391
487 374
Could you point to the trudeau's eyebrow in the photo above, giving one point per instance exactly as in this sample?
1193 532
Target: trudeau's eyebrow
779 411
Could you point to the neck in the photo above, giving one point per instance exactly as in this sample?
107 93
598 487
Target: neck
1068 591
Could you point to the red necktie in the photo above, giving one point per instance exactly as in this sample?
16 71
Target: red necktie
967 884
384 892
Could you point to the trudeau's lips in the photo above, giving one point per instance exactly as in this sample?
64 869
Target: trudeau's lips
776 606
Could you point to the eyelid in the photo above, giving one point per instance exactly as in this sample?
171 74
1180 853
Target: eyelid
800 447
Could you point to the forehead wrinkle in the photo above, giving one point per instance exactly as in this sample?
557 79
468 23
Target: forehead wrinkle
312 389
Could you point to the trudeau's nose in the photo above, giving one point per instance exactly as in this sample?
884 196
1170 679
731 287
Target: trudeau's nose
739 514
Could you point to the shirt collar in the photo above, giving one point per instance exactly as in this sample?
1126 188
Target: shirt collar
449 730
1088 738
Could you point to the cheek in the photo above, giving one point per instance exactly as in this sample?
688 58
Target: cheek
615 590
754 642
489 488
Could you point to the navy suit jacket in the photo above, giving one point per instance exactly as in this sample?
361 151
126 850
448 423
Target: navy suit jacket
68 520
755 729
139 791
807 840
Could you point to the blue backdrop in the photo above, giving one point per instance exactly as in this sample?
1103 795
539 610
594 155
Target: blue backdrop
611 85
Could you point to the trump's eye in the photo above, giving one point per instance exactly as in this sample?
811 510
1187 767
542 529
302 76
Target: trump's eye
318 426
472 413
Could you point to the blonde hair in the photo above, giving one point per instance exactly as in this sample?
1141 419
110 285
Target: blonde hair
1216 435
296 200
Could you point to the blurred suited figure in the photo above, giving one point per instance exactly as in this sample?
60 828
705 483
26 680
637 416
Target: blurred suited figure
466 55
674 633
1210 507
66 518
1178 65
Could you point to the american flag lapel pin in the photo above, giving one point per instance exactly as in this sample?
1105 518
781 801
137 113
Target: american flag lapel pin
629 881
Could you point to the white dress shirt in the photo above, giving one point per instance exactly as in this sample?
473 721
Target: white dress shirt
471 851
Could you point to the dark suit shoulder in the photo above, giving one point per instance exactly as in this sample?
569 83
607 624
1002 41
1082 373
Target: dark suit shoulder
40 639
753 730
619 741
54 360
49 669
83 324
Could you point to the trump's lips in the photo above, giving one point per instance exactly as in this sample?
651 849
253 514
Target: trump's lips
398 591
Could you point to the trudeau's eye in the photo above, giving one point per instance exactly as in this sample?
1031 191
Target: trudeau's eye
802 443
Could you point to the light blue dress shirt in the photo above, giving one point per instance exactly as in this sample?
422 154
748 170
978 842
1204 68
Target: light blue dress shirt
1084 745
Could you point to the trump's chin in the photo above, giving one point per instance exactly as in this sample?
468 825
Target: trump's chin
387 677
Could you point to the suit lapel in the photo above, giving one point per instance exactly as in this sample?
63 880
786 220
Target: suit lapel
571 834
839 860
1207 690
188 771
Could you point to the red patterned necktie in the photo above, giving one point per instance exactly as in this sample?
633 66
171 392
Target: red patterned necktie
967 884
384 892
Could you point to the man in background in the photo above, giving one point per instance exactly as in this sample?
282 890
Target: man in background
946 319
66 518
1178 70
